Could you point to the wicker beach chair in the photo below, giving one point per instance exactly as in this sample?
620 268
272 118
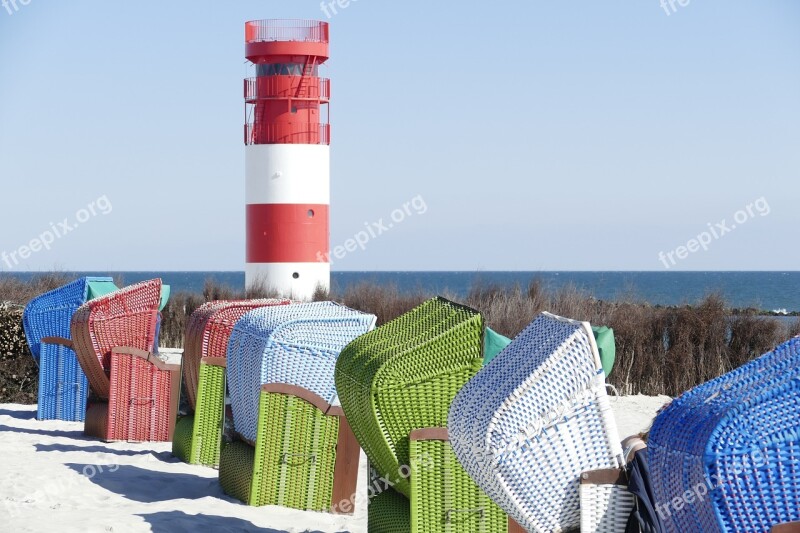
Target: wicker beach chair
389 511
403 376
115 340
297 449
198 436
443 496
396 384
63 388
606 502
534 419
725 456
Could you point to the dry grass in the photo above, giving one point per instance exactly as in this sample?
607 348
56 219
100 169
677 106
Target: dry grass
660 350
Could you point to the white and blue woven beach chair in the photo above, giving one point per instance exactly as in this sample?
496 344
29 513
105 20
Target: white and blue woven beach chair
535 418
294 345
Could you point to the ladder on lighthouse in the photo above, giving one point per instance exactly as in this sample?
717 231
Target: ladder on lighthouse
308 71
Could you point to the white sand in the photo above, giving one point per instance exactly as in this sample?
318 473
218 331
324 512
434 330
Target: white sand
52 478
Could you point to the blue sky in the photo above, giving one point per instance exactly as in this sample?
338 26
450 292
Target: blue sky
541 135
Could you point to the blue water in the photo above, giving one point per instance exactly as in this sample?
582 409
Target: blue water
762 290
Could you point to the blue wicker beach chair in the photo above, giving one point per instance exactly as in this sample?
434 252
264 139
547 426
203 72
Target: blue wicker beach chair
725 456
298 449
533 420
63 388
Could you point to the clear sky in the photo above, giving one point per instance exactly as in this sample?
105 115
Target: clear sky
540 135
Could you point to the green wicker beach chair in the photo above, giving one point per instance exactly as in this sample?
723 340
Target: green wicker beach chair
396 385
198 436
313 467
443 496
403 376
389 512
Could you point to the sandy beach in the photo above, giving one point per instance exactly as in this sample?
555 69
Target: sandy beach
55 478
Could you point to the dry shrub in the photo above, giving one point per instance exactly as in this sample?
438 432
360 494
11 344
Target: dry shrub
640 333
16 291
19 374
175 317
794 329
752 336
18 371
660 350
385 302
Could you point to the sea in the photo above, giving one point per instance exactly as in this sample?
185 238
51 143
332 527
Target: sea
765 291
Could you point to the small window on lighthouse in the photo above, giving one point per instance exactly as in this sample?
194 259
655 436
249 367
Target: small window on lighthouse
310 213
294 109
296 275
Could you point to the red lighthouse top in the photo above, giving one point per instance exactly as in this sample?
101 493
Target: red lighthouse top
274 41
284 101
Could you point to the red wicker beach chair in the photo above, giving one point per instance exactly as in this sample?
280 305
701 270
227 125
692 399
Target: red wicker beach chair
198 436
115 340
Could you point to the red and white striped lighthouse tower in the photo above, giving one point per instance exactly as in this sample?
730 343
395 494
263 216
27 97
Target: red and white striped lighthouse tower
287 156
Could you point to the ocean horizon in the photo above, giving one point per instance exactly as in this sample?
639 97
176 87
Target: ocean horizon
766 291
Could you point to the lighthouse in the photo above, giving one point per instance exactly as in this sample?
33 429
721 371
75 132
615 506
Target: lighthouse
287 157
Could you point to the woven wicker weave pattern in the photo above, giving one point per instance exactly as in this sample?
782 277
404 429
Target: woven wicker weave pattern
63 388
210 415
296 454
236 470
294 344
140 396
738 439
533 420
605 507
127 317
389 512
49 314
403 376
208 332
444 498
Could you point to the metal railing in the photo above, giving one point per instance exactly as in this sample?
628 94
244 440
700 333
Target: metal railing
313 31
269 87
287 133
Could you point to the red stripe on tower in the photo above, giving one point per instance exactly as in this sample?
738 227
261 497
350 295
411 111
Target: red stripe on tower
287 233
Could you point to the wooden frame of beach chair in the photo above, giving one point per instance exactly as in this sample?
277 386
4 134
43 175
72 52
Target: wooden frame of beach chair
198 436
788 527
305 455
115 337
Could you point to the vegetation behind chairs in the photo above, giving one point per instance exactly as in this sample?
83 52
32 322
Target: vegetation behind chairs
660 350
